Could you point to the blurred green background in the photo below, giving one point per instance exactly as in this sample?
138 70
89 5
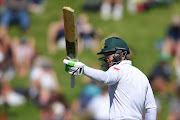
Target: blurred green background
140 31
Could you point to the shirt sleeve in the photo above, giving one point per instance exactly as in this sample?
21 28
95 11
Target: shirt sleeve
150 114
150 105
109 77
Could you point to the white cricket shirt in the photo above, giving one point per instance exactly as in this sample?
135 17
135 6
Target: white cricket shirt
129 90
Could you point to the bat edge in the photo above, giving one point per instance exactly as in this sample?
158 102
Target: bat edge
68 9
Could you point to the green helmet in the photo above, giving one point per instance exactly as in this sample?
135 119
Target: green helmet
113 44
116 45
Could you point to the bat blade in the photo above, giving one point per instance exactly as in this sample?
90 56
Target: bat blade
70 32
70 29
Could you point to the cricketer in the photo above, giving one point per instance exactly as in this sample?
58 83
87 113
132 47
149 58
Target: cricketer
129 89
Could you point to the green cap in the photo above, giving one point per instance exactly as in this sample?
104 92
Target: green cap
113 44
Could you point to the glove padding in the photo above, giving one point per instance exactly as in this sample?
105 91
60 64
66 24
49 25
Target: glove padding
73 68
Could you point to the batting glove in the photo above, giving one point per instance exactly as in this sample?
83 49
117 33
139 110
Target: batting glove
73 67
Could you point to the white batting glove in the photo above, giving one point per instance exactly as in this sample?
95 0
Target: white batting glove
73 68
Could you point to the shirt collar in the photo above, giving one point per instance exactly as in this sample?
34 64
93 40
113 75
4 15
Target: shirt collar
126 62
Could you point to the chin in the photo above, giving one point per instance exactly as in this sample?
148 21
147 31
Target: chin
109 65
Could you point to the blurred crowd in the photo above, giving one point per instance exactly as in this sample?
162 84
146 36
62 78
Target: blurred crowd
114 9
164 82
18 57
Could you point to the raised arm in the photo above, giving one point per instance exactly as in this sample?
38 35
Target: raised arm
109 77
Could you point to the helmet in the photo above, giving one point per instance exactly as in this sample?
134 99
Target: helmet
116 45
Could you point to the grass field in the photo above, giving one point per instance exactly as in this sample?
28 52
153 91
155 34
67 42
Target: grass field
141 31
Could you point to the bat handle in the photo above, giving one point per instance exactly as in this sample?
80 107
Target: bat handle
72 81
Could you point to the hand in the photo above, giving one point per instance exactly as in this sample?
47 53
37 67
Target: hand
73 68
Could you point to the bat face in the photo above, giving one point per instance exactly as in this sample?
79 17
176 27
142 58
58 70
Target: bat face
71 49
70 32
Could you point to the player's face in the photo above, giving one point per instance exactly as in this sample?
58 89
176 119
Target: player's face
109 58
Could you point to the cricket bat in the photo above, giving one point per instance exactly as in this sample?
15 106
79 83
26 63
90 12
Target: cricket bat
70 29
